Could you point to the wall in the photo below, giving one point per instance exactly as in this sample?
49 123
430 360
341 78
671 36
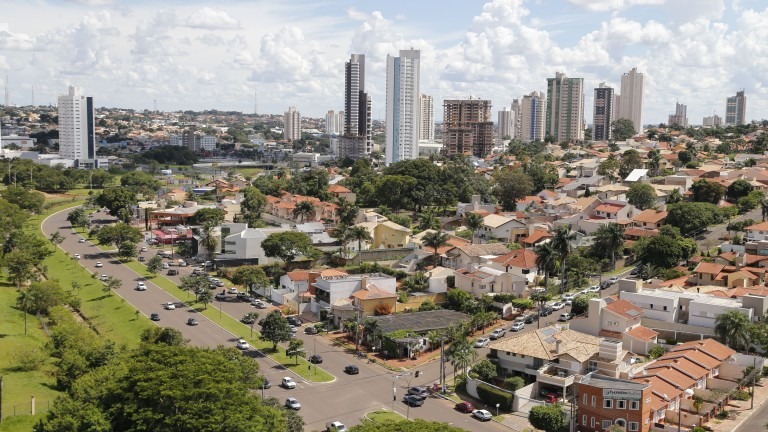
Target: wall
680 332
383 254
414 302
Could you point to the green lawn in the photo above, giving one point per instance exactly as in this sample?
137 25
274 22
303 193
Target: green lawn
384 416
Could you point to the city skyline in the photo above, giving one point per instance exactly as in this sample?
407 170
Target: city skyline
138 54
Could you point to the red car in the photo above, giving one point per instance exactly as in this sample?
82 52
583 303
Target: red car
551 398
465 407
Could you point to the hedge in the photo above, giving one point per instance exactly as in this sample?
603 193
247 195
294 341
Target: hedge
492 396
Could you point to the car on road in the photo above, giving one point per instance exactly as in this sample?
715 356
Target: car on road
529 319
311 330
182 263
294 321
141 286
351 370
173 272
220 296
418 391
155 317
243 344
292 329
558 305
335 427
594 289
218 283
482 415
247 319
613 280
165 265
482 342
497 333
266 384
565 316
104 278
234 290
288 383
82 240
170 306
465 407
293 404
143 248
517 326
635 271
77 256
99 264
259 304
413 400
315 359
141 259
192 322
568 297
546 311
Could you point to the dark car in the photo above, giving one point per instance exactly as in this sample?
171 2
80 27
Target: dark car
531 318
155 317
173 272
141 258
310 330
465 407
413 400
546 311
351 370
192 322
315 359
294 321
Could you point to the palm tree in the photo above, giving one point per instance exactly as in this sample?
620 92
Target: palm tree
303 209
562 243
610 238
341 232
546 260
56 238
462 355
208 239
733 328
360 234
435 240
371 329
474 223
25 301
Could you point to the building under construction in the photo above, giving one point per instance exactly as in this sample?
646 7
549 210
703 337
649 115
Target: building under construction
468 127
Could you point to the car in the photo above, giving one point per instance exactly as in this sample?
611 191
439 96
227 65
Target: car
234 290
635 271
311 330
551 398
482 415
170 306
498 333
546 311
165 265
568 297
173 272
141 259
315 359
208 264
558 305
566 316
143 248
192 322
141 286
77 256
465 407
198 271
294 321
335 427
413 400
104 278
243 344
182 264
220 296
218 283
594 289
351 370
418 391
258 304
605 285
247 319
266 384
482 342
99 264
288 383
293 404
82 240
518 326
154 317
529 319
613 280
292 328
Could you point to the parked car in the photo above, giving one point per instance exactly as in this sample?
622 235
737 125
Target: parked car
220 296
418 391
315 359
165 265
82 240
546 311
558 305
170 306
482 342
594 289
551 398
192 322
266 384
566 316
77 256
141 259
294 321
335 427
568 297
259 304
173 272
497 333
155 317
311 330
103 278
243 344
351 370
288 383
529 319
292 403
234 290
99 264
517 326
141 286
613 280
413 400
482 415
465 407
635 271
143 248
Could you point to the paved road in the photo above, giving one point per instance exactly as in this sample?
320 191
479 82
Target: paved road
757 421
712 236
346 399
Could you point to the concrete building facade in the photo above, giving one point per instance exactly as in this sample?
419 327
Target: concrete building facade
680 117
292 124
631 105
357 141
602 113
468 127
427 129
736 109
77 131
532 117
565 108
403 121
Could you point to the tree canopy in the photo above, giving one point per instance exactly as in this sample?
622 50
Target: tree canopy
118 201
642 195
623 129
511 186
287 245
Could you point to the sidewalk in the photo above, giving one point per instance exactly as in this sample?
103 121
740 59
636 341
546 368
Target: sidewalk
739 410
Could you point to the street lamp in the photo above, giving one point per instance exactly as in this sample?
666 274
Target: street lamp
497 409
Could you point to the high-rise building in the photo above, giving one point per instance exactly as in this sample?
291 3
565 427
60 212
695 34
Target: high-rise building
736 109
517 118
505 127
713 121
468 127
603 113
77 130
357 140
292 124
680 117
191 140
403 110
631 104
565 108
331 123
427 130
533 114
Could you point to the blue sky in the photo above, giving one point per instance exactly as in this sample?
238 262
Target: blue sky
196 54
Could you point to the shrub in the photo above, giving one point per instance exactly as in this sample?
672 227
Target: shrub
514 383
492 396
722 415
29 358
656 352
382 309
741 395
550 417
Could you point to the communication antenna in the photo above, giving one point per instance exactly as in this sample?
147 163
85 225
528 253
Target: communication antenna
255 103
155 103
7 96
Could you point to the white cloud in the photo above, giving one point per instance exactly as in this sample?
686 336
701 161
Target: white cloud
15 41
93 2
607 5
212 19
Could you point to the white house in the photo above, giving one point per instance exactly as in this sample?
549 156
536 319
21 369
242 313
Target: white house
334 291
485 280
240 243
757 232
502 228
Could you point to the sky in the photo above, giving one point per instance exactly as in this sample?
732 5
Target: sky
267 54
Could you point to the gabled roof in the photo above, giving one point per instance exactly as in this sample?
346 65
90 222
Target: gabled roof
609 208
372 292
650 216
298 275
642 333
625 308
521 258
708 268
337 188
477 250
762 226
542 344
495 221
536 236
710 347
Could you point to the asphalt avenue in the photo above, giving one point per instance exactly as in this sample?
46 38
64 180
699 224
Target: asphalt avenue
347 399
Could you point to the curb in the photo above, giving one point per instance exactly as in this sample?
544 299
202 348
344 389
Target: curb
753 411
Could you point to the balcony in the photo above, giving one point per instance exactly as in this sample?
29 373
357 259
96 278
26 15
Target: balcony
551 374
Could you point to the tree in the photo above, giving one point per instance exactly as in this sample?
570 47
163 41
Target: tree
29 200
209 239
195 283
208 216
485 370
140 182
20 267
56 238
275 329
252 205
428 305
45 295
609 168
474 223
435 240
359 234
656 351
641 195
562 242
691 217
738 189
112 283
251 317
303 209
118 234
511 186
395 191
458 299
630 161
675 197
78 217
610 239
665 250
205 297
117 199
623 129
154 264
707 191
161 335
25 301
462 355
287 245
733 328
249 277
684 157
580 304
549 417
127 250
546 260
295 349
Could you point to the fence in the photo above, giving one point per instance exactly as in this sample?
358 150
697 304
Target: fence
32 407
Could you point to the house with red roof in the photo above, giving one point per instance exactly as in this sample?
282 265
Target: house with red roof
618 320
521 262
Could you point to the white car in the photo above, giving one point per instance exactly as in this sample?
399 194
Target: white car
243 345
293 404
99 264
482 342
498 333
104 277
336 427
517 326
558 305
288 383
482 415
234 290
170 306
594 289
143 248
165 265
82 240
77 256
259 304
141 286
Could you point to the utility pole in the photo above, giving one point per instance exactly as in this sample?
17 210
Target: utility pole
754 378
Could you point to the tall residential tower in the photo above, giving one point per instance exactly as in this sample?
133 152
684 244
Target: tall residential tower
77 131
356 141
736 109
603 113
468 127
565 108
403 111
533 114
427 129
292 124
631 104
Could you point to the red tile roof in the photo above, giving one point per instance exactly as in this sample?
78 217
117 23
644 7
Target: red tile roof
650 216
536 236
643 333
708 268
521 258
609 208
625 308
641 232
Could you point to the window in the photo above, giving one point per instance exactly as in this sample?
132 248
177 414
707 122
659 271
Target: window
586 398
592 423
665 308
608 403
634 426
594 401
621 404
634 405
651 305
584 420
606 424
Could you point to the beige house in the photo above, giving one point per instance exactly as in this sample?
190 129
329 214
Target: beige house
485 280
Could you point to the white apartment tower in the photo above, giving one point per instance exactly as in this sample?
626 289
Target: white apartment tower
631 99
331 120
403 106
533 114
736 109
505 127
680 117
517 118
565 108
292 124
427 130
77 132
